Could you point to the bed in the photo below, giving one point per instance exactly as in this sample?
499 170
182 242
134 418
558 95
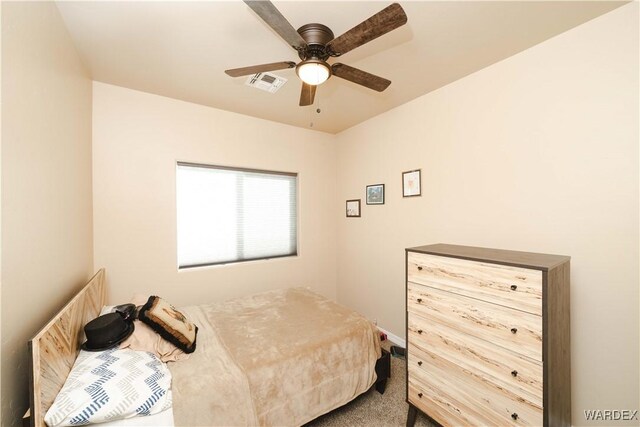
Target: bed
283 357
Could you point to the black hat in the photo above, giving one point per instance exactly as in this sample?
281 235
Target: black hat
106 331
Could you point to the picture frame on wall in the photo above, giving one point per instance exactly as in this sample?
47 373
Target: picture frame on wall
375 194
353 208
411 183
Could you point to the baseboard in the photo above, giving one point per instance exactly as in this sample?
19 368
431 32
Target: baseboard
394 338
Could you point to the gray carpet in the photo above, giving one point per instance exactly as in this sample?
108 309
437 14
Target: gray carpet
375 409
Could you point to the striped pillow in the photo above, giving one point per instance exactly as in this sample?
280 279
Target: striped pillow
111 385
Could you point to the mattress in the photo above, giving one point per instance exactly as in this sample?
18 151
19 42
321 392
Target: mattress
277 358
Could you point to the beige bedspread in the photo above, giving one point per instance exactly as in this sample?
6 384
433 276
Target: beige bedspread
278 358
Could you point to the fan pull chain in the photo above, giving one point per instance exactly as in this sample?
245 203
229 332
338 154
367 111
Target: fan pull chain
318 110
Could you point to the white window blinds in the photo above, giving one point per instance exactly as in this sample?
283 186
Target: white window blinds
229 215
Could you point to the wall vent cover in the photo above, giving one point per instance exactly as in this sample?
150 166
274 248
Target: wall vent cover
266 81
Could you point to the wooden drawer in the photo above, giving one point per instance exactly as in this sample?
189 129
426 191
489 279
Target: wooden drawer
517 374
512 329
453 395
439 404
514 287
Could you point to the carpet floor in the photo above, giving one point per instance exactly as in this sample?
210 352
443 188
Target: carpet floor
375 409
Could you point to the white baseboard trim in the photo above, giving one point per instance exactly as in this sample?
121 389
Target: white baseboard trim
394 338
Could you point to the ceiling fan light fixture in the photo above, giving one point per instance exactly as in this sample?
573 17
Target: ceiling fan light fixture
313 71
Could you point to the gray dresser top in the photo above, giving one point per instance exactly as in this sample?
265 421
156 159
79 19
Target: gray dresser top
531 260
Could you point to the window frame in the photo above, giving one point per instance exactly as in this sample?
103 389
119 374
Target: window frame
237 169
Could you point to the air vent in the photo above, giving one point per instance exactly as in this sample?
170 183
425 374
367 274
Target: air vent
266 81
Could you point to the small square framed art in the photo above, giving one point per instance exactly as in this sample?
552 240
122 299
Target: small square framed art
353 208
411 184
375 194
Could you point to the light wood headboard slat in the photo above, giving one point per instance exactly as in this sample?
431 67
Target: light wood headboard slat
54 349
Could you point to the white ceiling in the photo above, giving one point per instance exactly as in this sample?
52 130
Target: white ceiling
181 49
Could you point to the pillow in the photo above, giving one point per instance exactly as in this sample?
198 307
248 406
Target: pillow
163 318
111 385
144 338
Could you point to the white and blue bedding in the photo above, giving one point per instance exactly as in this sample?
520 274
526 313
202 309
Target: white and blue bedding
111 385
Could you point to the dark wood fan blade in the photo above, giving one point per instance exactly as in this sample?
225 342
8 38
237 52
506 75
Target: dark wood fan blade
307 94
273 18
381 23
360 77
254 69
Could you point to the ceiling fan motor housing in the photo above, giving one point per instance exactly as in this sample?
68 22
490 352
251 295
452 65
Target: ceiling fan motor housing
316 36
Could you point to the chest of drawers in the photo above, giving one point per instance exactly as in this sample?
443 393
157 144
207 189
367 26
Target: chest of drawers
488 339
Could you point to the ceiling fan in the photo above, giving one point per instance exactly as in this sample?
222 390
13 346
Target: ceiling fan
315 43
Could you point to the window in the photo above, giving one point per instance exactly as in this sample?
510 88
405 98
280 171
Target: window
230 215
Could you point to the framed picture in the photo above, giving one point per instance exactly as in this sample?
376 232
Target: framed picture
375 194
353 208
411 183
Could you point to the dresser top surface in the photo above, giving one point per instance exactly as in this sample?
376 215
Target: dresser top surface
531 260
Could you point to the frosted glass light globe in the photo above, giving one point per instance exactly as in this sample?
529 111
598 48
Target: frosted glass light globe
313 72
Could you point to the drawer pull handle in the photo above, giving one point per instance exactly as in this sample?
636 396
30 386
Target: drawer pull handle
419 300
514 330
514 416
420 363
419 267
419 331
514 287
514 373
420 395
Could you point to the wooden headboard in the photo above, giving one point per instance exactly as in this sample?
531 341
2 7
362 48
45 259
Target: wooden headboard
55 348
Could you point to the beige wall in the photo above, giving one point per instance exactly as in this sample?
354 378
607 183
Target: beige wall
46 183
137 139
537 153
